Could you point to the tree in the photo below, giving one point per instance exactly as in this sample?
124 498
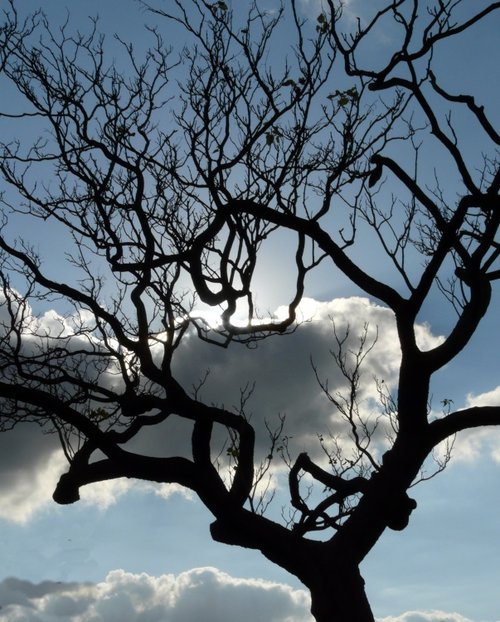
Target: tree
169 180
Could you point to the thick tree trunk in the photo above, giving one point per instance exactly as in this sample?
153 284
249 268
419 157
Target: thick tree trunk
329 571
340 596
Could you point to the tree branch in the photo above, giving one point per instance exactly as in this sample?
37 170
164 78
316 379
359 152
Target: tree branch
466 419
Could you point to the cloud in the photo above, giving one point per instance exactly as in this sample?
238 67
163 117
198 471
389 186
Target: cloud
283 375
199 594
490 398
426 616
30 465
285 384
321 4
476 443
349 8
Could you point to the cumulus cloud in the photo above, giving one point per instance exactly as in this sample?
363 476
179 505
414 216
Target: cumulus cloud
31 458
30 465
426 616
285 384
281 369
199 594
484 399
475 443
104 494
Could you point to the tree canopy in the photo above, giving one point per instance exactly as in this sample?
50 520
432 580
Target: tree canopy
170 173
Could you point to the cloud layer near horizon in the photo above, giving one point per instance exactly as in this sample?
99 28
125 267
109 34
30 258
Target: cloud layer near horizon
198 594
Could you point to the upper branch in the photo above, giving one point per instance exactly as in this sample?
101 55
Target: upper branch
314 232
470 102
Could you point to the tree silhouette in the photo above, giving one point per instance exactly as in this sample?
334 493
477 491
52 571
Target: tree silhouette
168 178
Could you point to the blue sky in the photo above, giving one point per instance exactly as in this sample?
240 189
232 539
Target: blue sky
130 549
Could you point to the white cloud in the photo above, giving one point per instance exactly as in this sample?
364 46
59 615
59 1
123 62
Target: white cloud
320 4
349 11
490 398
199 594
27 491
104 494
426 616
476 443
167 490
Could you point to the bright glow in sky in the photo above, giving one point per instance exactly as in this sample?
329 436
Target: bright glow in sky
134 551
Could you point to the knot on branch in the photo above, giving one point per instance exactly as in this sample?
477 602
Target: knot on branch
467 275
399 512
229 531
66 491
375 173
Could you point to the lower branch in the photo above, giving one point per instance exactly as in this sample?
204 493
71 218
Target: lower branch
163 470
460 420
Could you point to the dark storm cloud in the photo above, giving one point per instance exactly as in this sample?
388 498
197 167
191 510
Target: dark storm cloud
284 378
285 384
30 463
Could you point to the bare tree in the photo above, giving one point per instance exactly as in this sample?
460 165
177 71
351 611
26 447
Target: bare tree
169 177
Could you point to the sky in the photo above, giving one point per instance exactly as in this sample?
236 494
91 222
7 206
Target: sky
138 551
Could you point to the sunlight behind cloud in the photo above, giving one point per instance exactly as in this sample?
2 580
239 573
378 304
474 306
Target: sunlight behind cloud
285 384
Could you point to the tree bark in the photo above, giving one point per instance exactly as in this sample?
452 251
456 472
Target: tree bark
340 596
